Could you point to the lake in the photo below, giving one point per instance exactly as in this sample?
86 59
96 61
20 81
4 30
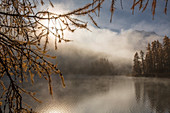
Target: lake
103 94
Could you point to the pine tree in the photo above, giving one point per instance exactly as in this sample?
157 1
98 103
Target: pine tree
137 65
160 57
154 49
166 50
142 62
148 60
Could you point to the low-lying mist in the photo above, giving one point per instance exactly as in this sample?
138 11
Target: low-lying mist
101 51
73 60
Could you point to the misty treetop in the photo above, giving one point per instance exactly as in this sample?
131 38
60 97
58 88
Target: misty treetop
156 62
101 66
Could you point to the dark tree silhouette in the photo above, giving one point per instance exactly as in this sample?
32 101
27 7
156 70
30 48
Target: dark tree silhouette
160 58
166 50
102 66
137 64
148 59
142 61
156 61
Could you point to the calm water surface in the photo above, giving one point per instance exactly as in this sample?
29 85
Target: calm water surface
104 94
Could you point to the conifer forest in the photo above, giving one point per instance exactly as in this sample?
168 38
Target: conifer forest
156 61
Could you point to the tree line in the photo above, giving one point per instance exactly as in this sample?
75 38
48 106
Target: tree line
101 66
156 61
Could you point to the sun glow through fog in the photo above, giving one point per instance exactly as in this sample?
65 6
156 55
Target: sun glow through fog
54 24
52 109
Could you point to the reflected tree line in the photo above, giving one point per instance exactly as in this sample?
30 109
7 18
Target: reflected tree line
156 62
158 96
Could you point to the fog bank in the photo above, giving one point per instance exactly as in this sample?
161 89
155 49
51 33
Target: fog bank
88 47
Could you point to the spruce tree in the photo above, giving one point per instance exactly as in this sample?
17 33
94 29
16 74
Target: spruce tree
166 50
137 65
160 57
148 60
142 62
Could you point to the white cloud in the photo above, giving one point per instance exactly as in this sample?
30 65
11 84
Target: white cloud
116 46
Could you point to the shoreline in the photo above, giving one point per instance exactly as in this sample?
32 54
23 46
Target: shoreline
153 75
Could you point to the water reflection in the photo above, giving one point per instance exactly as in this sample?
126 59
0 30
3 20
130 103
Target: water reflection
156 91
52 107
105 94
